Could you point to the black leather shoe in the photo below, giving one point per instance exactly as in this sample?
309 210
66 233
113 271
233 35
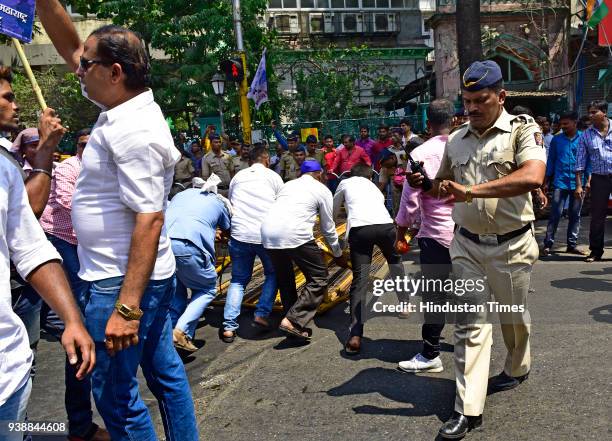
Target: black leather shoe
459 425
504 382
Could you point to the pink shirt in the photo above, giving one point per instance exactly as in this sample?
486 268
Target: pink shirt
435 214
345 160
56 219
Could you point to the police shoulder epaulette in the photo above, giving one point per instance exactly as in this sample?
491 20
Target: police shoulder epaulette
456 129
523 119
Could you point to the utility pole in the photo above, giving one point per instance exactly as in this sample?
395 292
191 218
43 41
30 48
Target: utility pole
469 39
245 113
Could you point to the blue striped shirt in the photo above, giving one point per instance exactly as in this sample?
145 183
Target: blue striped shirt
596 151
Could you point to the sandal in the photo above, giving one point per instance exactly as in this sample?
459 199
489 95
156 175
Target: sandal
304 334
225 338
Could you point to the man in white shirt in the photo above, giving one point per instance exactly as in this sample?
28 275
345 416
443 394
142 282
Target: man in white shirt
118 216
23 241
287 235
252 192
368 224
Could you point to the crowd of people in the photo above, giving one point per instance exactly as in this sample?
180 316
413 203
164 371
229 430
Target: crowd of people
113 250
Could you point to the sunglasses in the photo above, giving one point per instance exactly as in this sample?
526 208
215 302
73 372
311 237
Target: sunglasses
85 64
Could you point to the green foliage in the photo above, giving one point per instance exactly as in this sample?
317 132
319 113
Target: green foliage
328 83
195 36
62 92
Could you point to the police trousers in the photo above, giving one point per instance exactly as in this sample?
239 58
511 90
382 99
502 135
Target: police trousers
505 272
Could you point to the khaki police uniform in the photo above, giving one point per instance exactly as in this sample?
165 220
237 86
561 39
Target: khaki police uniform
318 156
288 167
221 165
239 164
472 159
183 170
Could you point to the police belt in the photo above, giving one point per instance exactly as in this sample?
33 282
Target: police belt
501 238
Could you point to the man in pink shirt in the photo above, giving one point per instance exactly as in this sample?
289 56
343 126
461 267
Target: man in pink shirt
57 223
349 156
435 233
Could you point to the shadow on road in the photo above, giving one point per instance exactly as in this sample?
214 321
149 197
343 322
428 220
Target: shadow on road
583 284
427 395
603 314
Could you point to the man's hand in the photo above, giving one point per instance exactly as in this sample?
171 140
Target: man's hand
579 193
450 188
415 180
50 130
76 341
120 333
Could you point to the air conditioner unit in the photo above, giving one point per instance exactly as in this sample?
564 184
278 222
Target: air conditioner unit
352 23
385 23
287 23
321 23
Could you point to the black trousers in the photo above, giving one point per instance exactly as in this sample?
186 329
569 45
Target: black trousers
362 241
435 265
601 187
309 259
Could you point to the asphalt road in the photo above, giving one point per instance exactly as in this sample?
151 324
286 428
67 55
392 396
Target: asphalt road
262 388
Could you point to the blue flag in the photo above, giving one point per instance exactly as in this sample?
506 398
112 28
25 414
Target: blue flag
17 18
259 87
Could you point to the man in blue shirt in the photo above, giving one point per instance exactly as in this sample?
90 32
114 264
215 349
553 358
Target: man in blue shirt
560 172
595 155
192 219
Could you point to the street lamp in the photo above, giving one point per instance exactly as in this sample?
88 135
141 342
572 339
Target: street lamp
218 84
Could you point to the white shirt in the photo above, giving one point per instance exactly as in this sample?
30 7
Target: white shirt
252 192
290 220
128 167
365 203
23 241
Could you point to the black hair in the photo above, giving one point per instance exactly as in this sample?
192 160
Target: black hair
441 112
256 153
120 45
328 137
364 127
349 137
83 132
383 126
600 105
361 170
521 110
407 121
569 114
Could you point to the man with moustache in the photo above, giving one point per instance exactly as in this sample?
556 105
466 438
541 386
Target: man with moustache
490 166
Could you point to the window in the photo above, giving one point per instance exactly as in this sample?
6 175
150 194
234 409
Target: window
397 3
322 4
307 3
290 4
382 4
368 3
276 4
337 4
352 4
511 70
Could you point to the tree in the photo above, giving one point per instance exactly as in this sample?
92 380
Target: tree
469 43
193 36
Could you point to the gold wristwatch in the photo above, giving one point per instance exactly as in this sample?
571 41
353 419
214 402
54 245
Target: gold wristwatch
468 194
128 313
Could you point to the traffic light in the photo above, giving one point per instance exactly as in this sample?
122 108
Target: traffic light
233 70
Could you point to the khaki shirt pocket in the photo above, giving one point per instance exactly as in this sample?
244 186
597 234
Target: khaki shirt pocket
500 164
459 165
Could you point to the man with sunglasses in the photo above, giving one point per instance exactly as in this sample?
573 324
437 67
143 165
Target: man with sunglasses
118 215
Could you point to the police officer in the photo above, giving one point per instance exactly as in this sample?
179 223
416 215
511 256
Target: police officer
242 161
218 162
289 168
490 166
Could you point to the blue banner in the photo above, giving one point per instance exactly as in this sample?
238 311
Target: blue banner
17 18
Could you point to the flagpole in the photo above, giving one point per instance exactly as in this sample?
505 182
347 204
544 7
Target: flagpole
245 112
29 73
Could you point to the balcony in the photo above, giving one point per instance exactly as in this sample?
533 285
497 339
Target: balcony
448 6
318 5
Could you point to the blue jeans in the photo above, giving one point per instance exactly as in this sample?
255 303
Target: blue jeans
573 226
114 381
14 410
243 258
193 270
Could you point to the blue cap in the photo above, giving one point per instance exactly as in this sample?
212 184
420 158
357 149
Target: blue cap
480 75
213 137
385 154
311 138
310 166
301 148
293 136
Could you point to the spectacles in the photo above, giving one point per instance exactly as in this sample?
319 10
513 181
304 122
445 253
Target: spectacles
86 64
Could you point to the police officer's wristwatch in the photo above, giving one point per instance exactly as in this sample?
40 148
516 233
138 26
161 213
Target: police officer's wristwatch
468 194
128 313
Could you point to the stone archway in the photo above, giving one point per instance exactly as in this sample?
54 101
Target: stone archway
524 54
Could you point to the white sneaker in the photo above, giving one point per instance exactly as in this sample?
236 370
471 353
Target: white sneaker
418 363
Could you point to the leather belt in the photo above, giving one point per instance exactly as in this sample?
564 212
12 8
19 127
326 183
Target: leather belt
494 239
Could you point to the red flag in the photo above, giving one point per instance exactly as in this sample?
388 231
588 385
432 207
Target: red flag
605 28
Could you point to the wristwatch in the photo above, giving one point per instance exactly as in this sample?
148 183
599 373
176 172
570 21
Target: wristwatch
468 194
128 313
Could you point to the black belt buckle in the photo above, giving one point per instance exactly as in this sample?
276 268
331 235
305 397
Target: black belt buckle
494 239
